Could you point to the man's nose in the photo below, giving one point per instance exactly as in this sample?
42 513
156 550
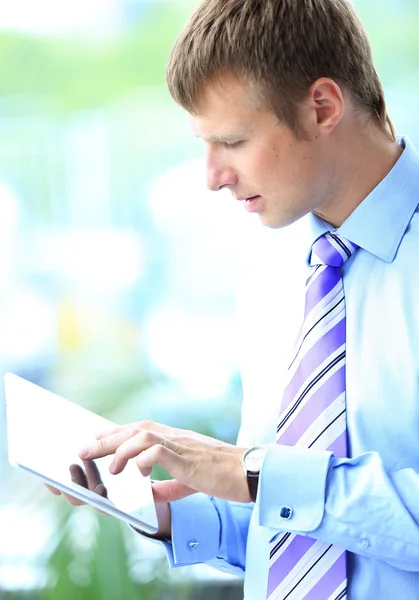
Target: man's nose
219 176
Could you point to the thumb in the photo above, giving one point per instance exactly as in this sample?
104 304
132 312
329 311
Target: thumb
170 490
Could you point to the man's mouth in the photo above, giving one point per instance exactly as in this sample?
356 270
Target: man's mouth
247 198
253 203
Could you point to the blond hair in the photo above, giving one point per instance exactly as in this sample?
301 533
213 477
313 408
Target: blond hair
279 48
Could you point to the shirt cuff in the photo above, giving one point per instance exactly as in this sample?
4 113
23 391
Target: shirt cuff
196 531
292 488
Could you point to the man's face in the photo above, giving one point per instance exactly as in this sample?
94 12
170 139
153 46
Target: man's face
260 160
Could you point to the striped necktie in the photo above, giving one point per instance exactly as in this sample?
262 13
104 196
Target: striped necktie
313 415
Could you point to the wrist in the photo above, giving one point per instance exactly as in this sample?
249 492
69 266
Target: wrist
164 532
252 460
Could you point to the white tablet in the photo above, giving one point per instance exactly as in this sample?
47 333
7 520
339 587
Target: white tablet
44 435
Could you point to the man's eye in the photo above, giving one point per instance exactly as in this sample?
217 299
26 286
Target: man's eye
234 145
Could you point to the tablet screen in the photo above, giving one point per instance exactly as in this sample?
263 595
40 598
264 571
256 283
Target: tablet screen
45 433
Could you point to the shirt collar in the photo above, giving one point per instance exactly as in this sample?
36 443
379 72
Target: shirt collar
379 223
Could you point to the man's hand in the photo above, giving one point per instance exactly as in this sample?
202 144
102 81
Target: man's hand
196 462
90 479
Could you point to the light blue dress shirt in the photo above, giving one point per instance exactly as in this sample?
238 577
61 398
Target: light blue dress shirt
368 503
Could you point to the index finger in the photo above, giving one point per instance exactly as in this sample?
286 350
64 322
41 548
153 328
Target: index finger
138 426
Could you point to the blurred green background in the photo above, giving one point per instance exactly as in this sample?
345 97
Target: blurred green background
118 269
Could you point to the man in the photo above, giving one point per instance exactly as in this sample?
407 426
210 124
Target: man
285 96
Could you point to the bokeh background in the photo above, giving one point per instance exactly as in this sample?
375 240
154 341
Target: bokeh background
118 269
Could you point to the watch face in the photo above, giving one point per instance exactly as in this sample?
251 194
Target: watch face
254 457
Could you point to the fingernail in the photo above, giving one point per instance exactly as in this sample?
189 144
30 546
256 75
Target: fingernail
84 452
112 467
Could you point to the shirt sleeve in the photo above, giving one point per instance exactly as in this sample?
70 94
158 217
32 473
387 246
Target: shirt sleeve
209 530
353 503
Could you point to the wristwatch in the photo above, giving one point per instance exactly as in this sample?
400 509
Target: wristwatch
252 461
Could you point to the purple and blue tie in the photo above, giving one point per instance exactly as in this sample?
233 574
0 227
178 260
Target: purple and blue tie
313 415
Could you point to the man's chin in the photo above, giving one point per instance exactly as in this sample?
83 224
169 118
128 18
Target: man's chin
277 221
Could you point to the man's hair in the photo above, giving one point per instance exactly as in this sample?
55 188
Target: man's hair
278 48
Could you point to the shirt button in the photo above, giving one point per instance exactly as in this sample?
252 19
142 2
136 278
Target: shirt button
285 512
365 543
193 544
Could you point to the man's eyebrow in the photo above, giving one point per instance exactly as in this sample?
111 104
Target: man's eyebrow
221 138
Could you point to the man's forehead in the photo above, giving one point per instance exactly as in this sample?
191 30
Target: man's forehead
224 111
225 89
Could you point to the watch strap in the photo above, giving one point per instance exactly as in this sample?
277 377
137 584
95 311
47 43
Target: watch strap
252 478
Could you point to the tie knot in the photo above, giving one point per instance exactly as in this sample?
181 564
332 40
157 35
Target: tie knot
331 250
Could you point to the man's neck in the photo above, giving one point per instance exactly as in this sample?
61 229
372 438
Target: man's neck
365 160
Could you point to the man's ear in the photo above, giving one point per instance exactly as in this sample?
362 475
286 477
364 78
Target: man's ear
327 104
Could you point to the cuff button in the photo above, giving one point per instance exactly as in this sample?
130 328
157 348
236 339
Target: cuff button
193 544
285 512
